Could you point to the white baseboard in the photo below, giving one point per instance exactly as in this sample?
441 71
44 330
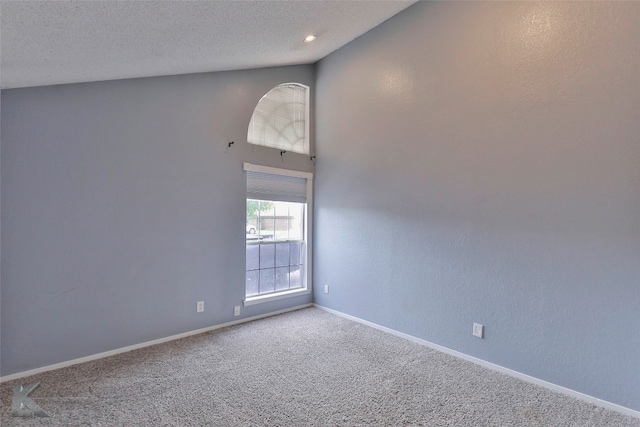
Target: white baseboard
142 345
492 366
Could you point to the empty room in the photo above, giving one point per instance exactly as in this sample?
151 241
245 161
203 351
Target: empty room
319 213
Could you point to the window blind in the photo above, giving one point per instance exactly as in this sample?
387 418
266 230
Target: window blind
279 119
281 188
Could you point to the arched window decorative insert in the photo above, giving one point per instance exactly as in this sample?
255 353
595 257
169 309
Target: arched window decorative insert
281 119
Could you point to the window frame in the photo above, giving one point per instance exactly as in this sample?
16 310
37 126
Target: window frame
307 237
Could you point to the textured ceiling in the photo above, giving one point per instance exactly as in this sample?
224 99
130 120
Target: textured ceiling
53 42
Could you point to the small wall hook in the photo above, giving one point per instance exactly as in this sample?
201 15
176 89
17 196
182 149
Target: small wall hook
231 143
282 152
312 158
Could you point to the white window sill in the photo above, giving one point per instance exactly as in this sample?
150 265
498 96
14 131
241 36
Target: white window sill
275 296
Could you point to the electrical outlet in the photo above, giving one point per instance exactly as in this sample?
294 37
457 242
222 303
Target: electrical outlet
478 330
326 289
236 310
199 306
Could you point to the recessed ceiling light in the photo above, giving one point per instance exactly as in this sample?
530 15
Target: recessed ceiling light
310 38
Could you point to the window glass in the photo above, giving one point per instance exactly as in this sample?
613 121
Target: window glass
275 250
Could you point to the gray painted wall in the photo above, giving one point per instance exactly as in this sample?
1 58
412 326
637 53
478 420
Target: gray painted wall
480 162
0 232
122 205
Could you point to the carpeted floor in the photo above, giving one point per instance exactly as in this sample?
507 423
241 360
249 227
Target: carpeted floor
305 368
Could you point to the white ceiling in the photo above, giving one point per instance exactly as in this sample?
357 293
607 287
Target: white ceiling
53 42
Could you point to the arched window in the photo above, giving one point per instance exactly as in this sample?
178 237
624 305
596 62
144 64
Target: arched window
281 119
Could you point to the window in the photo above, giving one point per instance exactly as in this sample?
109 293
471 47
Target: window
281 119
278 230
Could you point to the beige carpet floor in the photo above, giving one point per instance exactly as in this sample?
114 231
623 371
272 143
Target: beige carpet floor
305 368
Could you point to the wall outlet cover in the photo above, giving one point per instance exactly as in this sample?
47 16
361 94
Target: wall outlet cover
478 330
236 310
199 306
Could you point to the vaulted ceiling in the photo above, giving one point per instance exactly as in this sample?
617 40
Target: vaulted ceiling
55 42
